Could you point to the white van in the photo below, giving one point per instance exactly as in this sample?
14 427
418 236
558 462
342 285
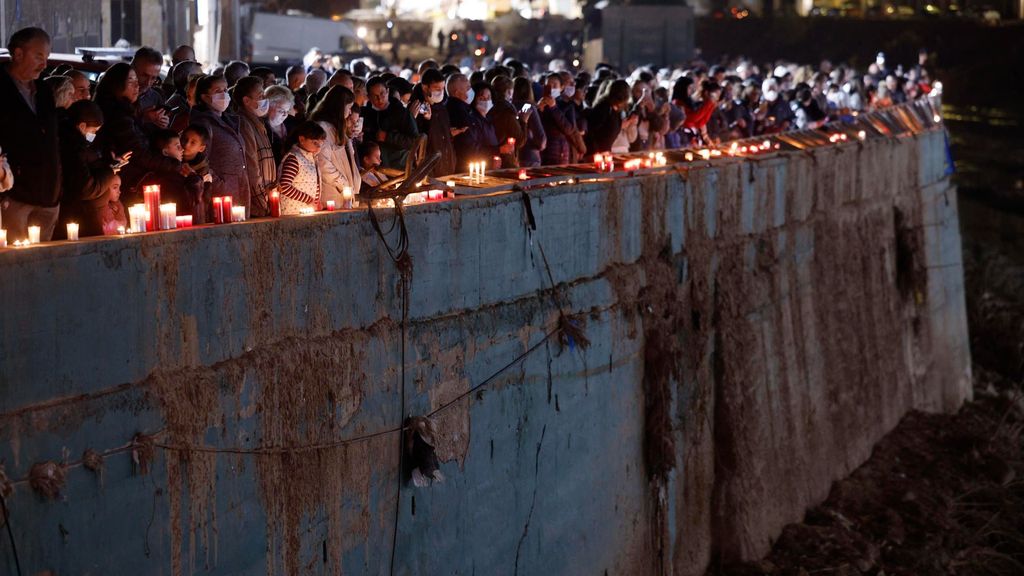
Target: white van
285 39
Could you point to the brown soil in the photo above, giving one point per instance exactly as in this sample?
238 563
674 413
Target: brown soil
941 494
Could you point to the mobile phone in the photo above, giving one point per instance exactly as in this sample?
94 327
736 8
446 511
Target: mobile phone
526 108
423 108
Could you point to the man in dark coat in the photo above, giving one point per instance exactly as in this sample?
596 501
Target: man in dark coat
388 123
437 126
28 136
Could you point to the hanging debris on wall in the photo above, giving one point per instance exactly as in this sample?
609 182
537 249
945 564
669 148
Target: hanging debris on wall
93 461
571 333
420 451
142 454
47 479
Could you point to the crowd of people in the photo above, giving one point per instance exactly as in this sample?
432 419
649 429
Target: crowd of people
71 152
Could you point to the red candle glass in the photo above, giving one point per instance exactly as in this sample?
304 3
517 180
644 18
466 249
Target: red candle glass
226 207
151 197
218 210
275 204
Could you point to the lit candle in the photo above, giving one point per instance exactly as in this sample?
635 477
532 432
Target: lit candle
183 221
218 210
33 234
523 175
306 210
238 214
609 163
72 231
512 142
450 184
229 213
347 197
151 197
120 230
435 194
862 135
275 204
688 156
3 238
168 216
330 205
137 217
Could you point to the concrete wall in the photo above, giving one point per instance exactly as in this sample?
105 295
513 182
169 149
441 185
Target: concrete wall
754 328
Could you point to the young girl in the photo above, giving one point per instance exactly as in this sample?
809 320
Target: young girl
102 211
299 183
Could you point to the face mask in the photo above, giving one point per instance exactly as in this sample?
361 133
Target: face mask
771 96
470 95
569 91
90 137
622 114
484 106
262 107
436 97
219 102
555 93
279 119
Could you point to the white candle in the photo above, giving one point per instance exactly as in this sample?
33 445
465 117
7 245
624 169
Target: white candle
168 216
120 230
72 231
3 238
137 218
238 213
33 234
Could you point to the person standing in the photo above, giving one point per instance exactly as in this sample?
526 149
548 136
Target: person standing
226 149
389 124
252 108
28 137
337 158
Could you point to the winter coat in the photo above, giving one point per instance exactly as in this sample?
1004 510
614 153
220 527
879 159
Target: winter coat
259 161
478 143
505 119
604 124
226 151
400 131
122 132
535 141
439 138
30 141
562 135
338 166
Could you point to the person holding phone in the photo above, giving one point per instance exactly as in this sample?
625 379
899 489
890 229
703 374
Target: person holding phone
534 139
435 124
147 63
561 132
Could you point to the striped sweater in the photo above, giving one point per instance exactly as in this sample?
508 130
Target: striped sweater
300 178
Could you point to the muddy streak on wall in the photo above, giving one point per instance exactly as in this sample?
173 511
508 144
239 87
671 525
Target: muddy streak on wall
766 306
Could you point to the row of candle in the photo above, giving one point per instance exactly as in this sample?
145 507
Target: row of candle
477 171
34 235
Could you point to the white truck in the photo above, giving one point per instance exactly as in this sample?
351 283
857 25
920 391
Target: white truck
285 39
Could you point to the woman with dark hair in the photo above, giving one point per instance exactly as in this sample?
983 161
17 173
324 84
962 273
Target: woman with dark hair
260 164
337 159
122 133
605 118
535 140
226 148
698 113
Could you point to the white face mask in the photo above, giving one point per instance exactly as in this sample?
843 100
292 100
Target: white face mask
279 118
436 97
262 107
555 93
484 106
569 91
771 96
220 102
90 137
469 96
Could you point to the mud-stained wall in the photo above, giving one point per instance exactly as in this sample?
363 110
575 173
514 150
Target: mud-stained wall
754 328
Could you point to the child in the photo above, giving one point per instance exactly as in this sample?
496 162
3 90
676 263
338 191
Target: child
102 211
181 187
369 159
194 140
300 177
